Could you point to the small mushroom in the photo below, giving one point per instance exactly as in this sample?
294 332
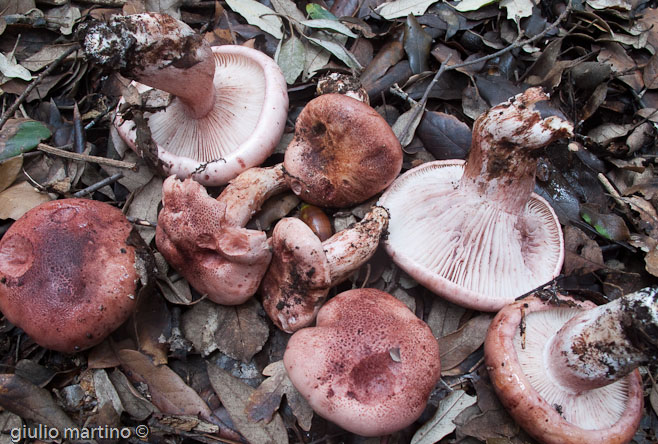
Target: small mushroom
67 273
304 268
565 370
230 104
475 233
204 239
342 154
369 365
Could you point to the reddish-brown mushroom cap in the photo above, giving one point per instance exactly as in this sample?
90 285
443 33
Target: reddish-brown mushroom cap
343 152
369 365
204 239
67 273
303 268
230 103
519 357
474 232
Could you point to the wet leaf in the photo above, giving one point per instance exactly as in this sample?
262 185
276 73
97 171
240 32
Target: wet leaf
290 58
417 44
259 15
237 331
441 424
20 136
168 391
19 199
445 136
457 346
265 400
234 395
582 254
402 8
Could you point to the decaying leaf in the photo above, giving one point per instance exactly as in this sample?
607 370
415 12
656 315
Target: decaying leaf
133 403
417 44
445 136
144 205
444 317
653 398
457 346
259 15
152 321
9 170
442 423
237 331
9 68
19 199
405 126
290 58
582 255
168 391
265 400
234 395
610 226
402 8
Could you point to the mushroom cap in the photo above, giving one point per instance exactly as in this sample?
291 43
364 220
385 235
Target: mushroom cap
462 246
225 262
342 154
67 273
240 132
369 365
515 362
298 278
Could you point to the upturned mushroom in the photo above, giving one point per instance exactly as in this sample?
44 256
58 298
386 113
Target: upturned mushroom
204 239
566 370
67 273
304 268
230 102
343 152
369 365
475 233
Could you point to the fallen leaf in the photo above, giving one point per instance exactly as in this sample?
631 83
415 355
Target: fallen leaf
133 403
19 136
168 391
441 424
402 8
152 321
457 346
335 44
290 58
258 15
9 170
289 9
405 126
582 254
265 400
621 5
417 44
445 136
606 133
144 205
610 226
9 68
653 398
517 9
234 395
237 331
650 73
316 58
444 317
332 25
105 391
33 372
45 56
19 199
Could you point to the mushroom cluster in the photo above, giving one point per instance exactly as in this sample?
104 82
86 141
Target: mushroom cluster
474 232
368 365
67 273
566 370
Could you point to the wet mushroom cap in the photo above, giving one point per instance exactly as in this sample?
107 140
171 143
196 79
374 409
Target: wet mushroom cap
552 413
369 365
67 273
343 152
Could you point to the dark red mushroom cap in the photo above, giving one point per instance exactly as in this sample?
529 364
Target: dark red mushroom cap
343 152
67 273
369 365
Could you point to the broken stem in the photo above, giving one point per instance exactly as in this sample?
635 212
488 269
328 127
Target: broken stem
86 158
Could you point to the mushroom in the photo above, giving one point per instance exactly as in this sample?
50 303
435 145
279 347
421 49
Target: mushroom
204 239
342 154
369 365
565 370
304 268
67 273
230 102
475 233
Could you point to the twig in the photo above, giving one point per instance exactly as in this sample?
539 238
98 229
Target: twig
98 185
103 114
86 158
12 109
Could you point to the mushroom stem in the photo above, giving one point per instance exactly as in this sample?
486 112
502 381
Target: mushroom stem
501 165
349 249
602 345
159 51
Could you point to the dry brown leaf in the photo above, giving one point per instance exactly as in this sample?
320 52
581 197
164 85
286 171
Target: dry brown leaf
237 331
144 205
457 346
265 400
168 391
234 395
650 73
653 398
152 321
9 170
444 317
19 199
582 254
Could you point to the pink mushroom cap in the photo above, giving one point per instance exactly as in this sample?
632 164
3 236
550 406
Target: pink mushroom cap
67 273
369 365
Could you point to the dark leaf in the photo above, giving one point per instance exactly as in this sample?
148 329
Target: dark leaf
610 226
417 45
445 136
459 345
582 254
153 325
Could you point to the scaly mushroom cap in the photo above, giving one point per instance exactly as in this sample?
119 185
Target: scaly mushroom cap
343 152
230 104
475 233
369 365
67 273
515 353
219 259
